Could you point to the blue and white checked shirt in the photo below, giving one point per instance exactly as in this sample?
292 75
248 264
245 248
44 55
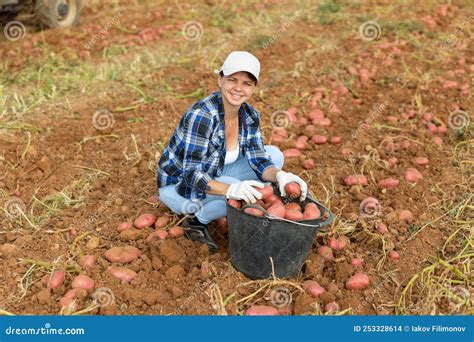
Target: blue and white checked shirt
196 151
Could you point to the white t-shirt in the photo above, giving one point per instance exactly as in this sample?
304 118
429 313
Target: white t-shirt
231 156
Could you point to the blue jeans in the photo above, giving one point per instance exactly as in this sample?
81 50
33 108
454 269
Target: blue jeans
214 206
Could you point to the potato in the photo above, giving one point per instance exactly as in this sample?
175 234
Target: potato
291 112
300 145
69 300
123 273
293 206
124 226
303 138
313 288
326 122
319 139
160 234
153 199
392 162
308 164
311 205
280 131
382 228
331 307
302 121
301 142
293 190
339 243
358 281
66 302
272 199
311 212
266 191
352 216
277 209
389 183
87 261
421 161
285 311
325 252
261 310
388 143
442 130
122 254
161 222
393 255
405 144
291 153
405 215
131 234
412 175
316 114
234 203
346 151
355 180
310 129
55 280
427 117
278 139
333 243
336 140
144 221
176 231
254 212
294 215
76 294
356 262
278 201
392 119
432 127
317 121
83 282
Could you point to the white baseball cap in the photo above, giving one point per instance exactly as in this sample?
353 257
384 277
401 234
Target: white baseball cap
240 61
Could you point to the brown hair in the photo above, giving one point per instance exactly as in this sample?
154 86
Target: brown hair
252 77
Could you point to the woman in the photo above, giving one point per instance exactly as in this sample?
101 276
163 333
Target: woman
216 153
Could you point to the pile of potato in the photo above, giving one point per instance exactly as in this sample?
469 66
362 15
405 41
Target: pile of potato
275 206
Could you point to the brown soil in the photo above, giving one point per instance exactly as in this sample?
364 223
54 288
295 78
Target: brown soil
177 276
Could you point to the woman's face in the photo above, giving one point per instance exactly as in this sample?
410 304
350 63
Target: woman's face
236 88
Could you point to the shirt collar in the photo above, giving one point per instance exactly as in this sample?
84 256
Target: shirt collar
243 111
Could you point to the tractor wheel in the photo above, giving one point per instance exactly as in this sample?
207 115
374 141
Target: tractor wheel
57 13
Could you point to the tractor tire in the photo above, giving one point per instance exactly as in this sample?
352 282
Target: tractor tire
6 17
57 13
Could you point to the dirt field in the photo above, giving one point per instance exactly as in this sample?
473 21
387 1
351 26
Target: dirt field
85 113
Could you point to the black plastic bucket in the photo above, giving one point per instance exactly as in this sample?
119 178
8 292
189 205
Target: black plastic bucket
260 246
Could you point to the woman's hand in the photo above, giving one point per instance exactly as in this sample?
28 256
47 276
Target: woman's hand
245 191
283 178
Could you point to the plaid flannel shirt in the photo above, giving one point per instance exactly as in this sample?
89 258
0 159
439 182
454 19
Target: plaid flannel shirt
196 150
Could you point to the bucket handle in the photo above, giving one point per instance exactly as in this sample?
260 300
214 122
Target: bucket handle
271 217
255 206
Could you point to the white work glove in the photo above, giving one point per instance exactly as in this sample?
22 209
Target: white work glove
283 178
245 191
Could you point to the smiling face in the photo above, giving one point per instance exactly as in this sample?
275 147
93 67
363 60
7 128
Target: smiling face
236 88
